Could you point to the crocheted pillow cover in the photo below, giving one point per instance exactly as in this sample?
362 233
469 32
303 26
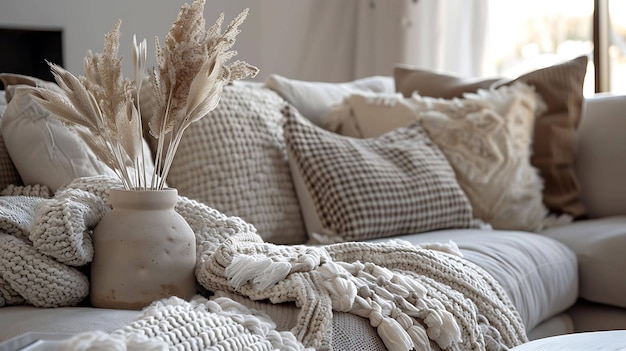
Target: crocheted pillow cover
235 161
357 189
554 142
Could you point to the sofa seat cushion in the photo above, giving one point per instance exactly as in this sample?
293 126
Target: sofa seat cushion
538 273
17 320
350 332
599 245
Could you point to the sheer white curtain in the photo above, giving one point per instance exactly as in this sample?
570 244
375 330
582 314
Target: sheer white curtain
380 37
332 40
447 35
307 39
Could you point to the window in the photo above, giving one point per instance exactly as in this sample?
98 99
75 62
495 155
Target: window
617 46
527 35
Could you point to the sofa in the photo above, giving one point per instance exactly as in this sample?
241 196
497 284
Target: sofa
556 253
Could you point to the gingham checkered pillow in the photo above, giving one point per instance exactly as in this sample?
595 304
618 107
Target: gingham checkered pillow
356 189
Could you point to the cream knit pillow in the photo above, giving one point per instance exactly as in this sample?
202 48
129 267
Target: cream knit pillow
235 161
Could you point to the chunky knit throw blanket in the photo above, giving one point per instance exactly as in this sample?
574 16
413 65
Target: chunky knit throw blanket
416 297
200 324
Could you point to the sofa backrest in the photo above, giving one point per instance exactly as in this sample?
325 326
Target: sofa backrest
601 155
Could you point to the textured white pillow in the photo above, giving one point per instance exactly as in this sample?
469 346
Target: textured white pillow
367 115
314 99
486 137
235 161
356 189
43 150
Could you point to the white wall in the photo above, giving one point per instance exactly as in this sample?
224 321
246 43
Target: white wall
324 40
84 23
273 38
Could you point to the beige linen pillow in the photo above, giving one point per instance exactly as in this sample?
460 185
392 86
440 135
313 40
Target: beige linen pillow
235 161
555 131
43 150
356 189
485 136
314 99
8 173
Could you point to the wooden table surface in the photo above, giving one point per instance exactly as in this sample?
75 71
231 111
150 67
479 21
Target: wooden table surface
614 340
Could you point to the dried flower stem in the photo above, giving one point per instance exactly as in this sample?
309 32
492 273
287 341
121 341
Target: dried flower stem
104 108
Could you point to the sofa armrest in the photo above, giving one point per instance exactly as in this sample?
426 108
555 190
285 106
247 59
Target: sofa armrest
601 155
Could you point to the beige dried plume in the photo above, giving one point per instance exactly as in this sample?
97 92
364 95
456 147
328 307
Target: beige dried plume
192 71
193 68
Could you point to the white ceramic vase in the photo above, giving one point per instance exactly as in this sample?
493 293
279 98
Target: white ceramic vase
143 251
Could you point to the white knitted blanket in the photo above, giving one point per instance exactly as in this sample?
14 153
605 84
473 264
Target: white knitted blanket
199 324
416 297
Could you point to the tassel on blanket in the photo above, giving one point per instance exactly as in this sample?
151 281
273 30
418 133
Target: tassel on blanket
378 294
263 272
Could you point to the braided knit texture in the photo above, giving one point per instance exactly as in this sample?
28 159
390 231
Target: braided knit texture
200 324
415 297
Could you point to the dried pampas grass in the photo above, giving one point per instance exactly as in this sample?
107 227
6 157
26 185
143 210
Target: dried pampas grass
193 68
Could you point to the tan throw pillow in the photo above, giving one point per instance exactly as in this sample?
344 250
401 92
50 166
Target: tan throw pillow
235 161
554 141
356 189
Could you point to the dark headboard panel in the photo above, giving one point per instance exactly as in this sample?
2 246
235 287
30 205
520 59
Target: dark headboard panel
25 51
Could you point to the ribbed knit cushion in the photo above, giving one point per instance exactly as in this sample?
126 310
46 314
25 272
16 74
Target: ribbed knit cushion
554 142
355 189
234 160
